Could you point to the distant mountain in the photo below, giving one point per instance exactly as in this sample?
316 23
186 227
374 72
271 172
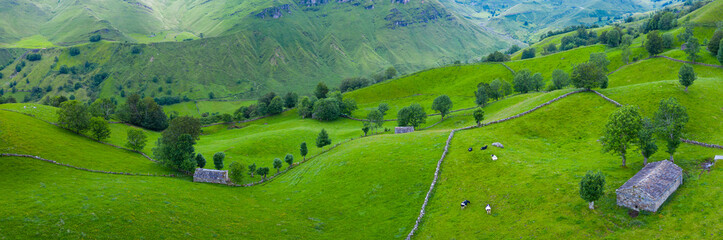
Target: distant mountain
243 48
528 19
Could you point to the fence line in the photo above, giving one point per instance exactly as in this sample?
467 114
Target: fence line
85 169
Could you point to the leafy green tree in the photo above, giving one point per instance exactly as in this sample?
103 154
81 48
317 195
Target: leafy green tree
306 107
513 49
326 109
375 118
94 38
177 153
506 88
143 112
646 140
560 79
73 115
686 76
262 172
290 99
236 172
136 139
252 169
218 160
267 98
683 37
383 108
303 150
391 72
442 104
497 57
99 128
587 75
481 96
495 90
323 139
592 187
692 47
276 106
366 127
278 164
102 107
200 161
523 81
321 90
714 43
413 115
528 53
348 106
668 40
670 119
538 82
289 159
600 60
720 52
654 43
182 125
479 115
622 130
625 55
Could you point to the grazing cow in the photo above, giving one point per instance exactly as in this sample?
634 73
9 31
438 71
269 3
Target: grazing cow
483 148
494 157
469 150
465 203
489 209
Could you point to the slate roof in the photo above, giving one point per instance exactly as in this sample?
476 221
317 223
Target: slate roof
210 175
654 179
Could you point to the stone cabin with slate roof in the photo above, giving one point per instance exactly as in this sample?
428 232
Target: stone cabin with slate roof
650 187
211 176
399 130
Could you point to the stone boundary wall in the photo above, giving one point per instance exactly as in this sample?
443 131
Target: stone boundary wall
681 61
607 98
508 68
708 145
85 169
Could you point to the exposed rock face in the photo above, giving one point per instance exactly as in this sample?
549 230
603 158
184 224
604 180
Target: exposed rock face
424 14
273 12
499 145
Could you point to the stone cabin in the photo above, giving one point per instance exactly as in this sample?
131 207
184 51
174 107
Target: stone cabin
211 176
650 187
399 130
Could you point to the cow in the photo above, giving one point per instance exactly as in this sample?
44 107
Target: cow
489 209
465 203
469 149
483 148
494 158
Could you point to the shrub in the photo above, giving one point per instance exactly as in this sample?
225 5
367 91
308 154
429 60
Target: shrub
34 57
218 160
323 139
73 51
94 38
136 139
592 187
528 53
236 172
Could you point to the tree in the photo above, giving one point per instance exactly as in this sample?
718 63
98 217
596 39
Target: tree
236 172
497 57
391 72
351 84
523 81
375 118
267 98
683 37
94 38
262 171
538 82
528 53
654 43
306 107
143 112
200 161
252 169
276 106
670 119
218 160
99 128
365 128
326 109
560 79
303 150
289 159
442 104
481 96
73 115
720 52
102 107
646 140
600 60
413 115
277 164
587 75
321 90
686 76
592 187
323 139
668 40
625 55
621 130
182 125
495 90
290 99
692 47
347 106
177 153
714 43
73 51
136 139
383 108
513 49
479 115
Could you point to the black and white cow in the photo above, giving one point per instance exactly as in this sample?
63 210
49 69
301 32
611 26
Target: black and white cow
465 203
469 149
483 148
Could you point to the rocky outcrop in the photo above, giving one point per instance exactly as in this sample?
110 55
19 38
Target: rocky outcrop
273 12
424 14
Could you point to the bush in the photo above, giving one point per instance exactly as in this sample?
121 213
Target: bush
94 38
136 50
513 49
34 57
236 172
351 84
218 160
74 51
497 57
136 139
143 112
528 53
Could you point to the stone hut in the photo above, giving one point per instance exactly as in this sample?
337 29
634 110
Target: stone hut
398 130
211 176
650 187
